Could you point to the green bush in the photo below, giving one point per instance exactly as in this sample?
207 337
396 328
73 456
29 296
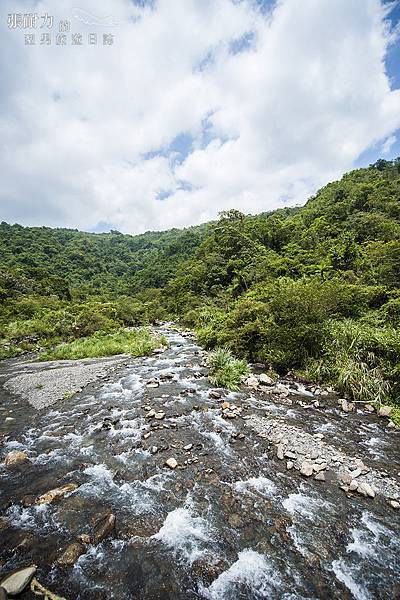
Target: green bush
225 369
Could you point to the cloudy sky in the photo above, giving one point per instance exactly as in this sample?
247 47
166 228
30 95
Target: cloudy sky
197 106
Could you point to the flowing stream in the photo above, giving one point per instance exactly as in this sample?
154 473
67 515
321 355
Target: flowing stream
229 522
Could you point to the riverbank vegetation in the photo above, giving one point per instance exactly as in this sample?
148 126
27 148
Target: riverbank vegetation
311 289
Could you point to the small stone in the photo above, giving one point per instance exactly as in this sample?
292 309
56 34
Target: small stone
28 500
306 468
84 538
289 465
214 395
353 485
103 528
71 554
355 473
319 467
346 478
152 383
171 463
289 454
320 477
319 436
369 408
394 504
159 415
225 405
347 406
146 435
56 493
16 457
366 490
384 411
279 451
265 379
188 447
154 449
151 414
9 419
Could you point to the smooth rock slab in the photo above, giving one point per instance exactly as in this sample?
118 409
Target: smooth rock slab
15 582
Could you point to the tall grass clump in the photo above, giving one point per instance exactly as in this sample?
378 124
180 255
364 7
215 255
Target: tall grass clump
226 370
136 342
360 360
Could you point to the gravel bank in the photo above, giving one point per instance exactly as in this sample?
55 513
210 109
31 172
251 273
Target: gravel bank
44 384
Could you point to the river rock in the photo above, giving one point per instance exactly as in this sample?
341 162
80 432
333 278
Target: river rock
289 465
103 528
394 504
188 447
152 383
384 411
252 381
353 485
15 457
279 451
265 379
356 473
15 582
159 415
347 406
369 408
320 476
56 493
306 468
28 500
214 395
366 490
172 463
71 554
346 478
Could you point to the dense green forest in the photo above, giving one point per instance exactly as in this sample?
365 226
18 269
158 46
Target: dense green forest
313 289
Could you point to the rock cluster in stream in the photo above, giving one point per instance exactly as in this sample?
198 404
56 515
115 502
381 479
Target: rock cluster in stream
312 457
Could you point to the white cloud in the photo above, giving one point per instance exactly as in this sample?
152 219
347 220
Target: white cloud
388 144
85 131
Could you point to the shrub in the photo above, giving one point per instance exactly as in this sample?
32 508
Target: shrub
225 369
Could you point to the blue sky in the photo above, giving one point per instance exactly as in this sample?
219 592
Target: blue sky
198 106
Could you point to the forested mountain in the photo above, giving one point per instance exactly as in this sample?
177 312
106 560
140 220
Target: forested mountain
314 288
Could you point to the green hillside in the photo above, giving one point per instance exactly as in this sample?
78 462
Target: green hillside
313 289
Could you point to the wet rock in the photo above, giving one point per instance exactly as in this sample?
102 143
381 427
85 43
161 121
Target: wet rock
306 468
159 415
152 383
16 457
188 447
172 463
103 528
235 520
28 500
347 406
384 411
369 408
265 379
289 465
15 582
320 476
225 405
319 467
146 435
394 504
84 538
150 414
56 493
353 485
213 394
366 490
71 554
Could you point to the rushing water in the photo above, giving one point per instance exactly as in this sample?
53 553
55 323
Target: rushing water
232 523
